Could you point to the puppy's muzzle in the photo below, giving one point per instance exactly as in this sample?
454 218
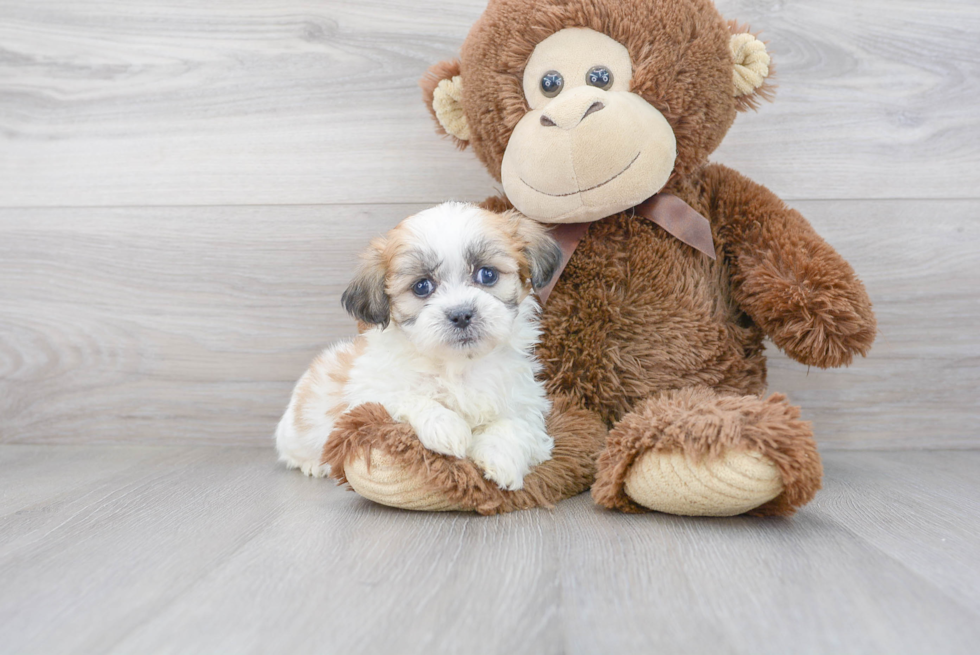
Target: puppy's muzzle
461 317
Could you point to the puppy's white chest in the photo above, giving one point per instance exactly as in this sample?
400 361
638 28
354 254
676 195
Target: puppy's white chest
468 397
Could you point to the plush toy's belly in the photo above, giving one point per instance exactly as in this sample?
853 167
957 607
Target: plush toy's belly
637 312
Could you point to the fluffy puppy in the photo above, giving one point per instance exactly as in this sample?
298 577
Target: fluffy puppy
452 326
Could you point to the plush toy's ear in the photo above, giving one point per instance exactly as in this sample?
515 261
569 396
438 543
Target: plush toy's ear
753 67
366 299
442 90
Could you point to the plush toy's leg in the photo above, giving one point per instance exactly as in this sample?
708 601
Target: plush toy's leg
382 460
695 452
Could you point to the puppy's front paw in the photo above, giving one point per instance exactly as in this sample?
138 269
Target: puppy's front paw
445 433
504 465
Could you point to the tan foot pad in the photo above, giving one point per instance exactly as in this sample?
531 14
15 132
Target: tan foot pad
390 484
732 484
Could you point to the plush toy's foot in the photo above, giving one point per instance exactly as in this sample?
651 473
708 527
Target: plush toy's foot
734 483
383 460
380 477
695 452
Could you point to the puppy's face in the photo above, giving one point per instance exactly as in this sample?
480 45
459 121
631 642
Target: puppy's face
452 277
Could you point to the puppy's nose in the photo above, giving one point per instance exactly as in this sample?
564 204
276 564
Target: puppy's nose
460 317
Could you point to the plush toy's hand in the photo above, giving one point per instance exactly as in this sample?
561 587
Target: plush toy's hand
791 282
809 302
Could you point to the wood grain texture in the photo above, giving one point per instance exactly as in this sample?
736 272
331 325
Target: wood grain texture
190 325
202 550
811 584
109 102
188 322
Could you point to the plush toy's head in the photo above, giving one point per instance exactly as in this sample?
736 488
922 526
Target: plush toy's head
583 108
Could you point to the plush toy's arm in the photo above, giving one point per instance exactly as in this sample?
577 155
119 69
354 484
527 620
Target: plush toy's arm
791 282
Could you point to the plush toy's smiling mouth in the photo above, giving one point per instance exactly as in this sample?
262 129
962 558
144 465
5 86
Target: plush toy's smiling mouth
565 195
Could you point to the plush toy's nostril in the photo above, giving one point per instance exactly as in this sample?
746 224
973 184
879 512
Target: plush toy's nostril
593 108
548 121
460 317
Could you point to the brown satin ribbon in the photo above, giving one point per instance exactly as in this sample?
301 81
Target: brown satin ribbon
678 218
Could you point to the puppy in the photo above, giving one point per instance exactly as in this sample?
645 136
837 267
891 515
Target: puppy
453 325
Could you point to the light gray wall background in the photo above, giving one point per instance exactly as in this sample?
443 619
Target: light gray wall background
184 187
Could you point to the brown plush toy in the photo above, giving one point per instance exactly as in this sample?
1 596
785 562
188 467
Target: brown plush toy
598 116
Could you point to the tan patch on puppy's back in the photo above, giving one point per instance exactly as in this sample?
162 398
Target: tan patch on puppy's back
328 375
340 372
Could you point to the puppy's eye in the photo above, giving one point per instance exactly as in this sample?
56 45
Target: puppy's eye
486 276
552 83
599 76
423 288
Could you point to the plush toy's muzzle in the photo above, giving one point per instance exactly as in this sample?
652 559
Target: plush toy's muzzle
587 154
588 147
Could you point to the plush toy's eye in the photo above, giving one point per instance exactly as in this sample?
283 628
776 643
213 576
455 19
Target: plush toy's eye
599 76
552 83
486 276
423 288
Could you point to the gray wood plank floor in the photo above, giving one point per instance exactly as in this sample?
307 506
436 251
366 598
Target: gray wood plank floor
203 549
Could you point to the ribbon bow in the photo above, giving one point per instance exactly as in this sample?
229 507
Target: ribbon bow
671 213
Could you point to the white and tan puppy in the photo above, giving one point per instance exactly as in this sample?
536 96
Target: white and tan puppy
447 294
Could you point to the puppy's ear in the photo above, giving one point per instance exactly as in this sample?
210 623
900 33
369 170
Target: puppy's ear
365 299
542 252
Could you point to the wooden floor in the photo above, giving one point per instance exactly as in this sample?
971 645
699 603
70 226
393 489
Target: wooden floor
128 549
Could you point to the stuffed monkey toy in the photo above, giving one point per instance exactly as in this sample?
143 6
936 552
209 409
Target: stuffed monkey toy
598 117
